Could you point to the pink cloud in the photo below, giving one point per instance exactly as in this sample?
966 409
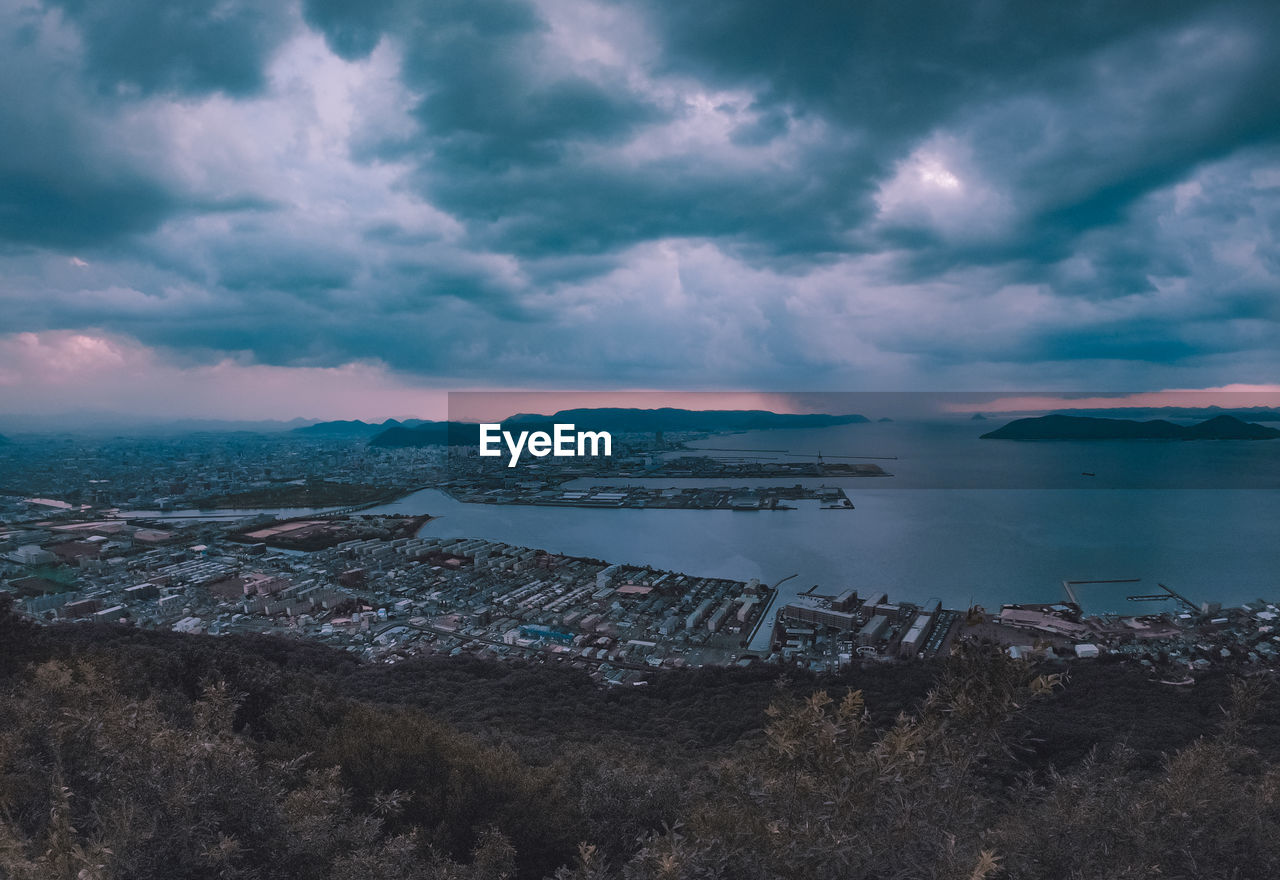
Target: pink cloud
58 371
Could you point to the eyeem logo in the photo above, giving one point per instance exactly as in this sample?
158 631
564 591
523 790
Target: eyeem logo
563 442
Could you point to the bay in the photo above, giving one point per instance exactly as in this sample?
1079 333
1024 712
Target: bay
965 546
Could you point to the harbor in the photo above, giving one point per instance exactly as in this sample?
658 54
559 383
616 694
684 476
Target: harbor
741 498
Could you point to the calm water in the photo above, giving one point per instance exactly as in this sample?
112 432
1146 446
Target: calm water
951 456
912 539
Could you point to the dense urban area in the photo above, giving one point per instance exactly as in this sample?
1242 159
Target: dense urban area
89 536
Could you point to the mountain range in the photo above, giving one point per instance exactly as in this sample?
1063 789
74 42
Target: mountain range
1061 427
357 428
615 420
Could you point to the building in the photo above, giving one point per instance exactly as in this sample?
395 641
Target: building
916 637
142 592
874 630
544 632
110 615
32 554
81 608
260 584
76 551
605 577
695 617
1029 618
834 612
717 620
921 628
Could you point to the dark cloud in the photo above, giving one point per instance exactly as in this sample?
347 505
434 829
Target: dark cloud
189 46
893 68
1126 342
735 190
351 28
539 211
48 206
254 257
489 97
60 184
1075 111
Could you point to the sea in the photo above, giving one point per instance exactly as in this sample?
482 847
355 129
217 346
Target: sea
961 519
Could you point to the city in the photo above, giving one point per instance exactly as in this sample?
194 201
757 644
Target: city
103 532
639 440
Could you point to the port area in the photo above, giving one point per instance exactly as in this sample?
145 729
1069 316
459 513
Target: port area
720 467
308 533
745 498
465 467
386 595
827 633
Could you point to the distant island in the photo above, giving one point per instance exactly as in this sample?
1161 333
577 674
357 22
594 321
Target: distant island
1060 427
1182 413
621 421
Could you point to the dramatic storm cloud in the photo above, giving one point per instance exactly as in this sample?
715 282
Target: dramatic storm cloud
234 199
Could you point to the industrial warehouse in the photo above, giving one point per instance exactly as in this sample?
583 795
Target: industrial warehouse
832 630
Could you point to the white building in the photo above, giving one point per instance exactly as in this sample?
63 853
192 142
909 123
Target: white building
32 554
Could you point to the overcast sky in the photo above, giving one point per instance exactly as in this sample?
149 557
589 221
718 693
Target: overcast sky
341 209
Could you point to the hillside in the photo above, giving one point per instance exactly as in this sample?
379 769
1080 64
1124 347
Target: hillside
1062 427
1183 413
427 434
353 428
155 755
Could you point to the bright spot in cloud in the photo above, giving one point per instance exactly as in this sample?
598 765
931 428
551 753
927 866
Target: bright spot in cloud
934 172
939 187
79 263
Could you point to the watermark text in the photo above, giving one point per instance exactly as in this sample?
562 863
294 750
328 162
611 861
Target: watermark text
563 442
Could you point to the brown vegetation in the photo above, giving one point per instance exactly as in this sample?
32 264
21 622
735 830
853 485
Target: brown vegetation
134 755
